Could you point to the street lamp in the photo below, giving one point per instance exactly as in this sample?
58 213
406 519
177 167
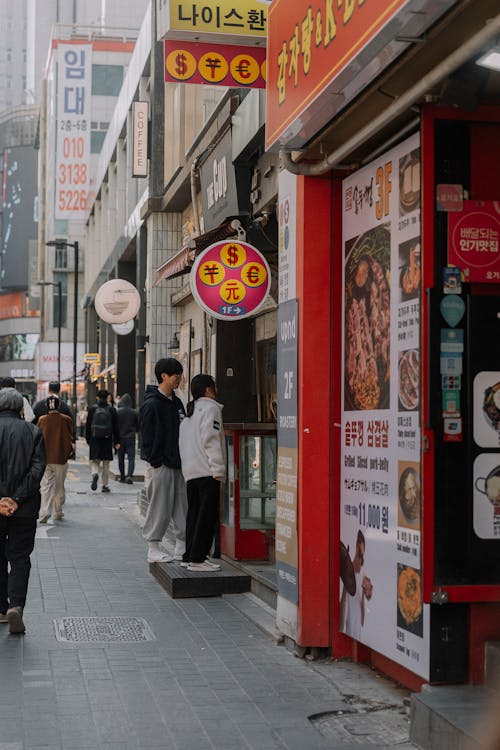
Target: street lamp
74 245
57 284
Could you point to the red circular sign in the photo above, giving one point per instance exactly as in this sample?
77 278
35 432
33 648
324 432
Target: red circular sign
230 280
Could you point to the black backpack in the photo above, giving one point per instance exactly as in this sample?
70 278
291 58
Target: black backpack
102 423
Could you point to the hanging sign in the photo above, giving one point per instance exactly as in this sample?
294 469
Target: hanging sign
452 309
216 64
473 240
117 301
230 280
224 21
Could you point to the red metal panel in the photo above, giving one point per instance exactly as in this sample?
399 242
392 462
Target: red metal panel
314 280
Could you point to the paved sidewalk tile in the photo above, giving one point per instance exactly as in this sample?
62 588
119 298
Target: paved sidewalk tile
210 680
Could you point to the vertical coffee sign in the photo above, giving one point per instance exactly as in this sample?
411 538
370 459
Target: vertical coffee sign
73 130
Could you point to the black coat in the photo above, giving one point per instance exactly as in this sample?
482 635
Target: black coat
159 421
22 463
128 418
101 449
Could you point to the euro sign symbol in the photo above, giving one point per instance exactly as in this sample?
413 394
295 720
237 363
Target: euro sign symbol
253 274
180 61
232 255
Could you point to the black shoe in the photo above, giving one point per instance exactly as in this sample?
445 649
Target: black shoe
15 620
130 480
122 479
105 489
95 479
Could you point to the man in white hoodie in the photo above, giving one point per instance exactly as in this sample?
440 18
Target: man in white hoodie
202 449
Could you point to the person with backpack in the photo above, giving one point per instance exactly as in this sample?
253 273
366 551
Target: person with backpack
101 433
128 425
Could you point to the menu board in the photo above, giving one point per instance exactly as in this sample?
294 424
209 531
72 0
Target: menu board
381 573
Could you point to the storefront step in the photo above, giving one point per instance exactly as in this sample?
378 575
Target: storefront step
258 612
450 717
182 583
264 579
492 664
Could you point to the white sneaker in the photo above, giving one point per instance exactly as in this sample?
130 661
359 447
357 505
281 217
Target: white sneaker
214 565
159 556
44 519
185 564
202 567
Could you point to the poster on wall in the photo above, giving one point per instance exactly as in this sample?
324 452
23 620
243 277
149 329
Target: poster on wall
381 573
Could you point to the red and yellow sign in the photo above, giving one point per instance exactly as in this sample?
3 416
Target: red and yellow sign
474 241
230 280
217 64
309 45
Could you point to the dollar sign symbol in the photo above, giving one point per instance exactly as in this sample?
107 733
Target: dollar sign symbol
232 256
180 61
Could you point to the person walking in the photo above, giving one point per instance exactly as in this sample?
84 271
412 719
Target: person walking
128 425
22 464
57 430
28 413
160 417
101 433
83 419
41 408
203 460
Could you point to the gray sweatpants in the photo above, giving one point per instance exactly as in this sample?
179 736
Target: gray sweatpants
167 502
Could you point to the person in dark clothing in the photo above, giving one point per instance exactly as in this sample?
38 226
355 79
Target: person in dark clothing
128 424
28 413
101 433
40 408
160 417
22 464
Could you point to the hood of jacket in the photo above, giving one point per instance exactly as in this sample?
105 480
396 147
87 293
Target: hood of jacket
125 401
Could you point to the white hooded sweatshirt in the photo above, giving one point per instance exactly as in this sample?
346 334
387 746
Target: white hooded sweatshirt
201 441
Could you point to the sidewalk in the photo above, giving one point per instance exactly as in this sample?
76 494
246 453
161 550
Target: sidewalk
208 680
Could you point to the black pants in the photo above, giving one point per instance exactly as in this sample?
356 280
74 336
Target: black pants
17 539
203 511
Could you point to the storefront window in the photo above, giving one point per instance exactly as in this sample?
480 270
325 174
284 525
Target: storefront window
257 481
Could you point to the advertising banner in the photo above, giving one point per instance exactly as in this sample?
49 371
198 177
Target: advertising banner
46 360
474 241
215 64
230 280
74 79
226 21
381 551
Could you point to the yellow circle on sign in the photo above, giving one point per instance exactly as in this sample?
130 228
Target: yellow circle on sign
253 274
233 255
263 70
232 292
181 64
213 67
244 69
211 273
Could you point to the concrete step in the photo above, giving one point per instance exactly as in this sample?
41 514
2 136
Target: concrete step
451 717
182 583
258 612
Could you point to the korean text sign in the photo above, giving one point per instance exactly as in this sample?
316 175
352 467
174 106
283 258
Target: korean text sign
474 240
230 280
74 79
245 19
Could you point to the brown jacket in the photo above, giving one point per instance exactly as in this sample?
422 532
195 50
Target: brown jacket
57 431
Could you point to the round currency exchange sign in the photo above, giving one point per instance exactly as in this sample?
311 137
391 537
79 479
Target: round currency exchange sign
230 280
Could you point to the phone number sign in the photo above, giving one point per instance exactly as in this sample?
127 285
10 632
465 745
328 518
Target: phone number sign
230 280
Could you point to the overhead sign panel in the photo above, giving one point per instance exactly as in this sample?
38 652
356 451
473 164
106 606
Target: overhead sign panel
216 64
228 21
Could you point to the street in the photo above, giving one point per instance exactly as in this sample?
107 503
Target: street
207 680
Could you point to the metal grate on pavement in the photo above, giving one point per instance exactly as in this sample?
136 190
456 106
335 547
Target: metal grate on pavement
103 630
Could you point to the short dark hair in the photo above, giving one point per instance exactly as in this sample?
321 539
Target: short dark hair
103 393
54 386
169 366
7 382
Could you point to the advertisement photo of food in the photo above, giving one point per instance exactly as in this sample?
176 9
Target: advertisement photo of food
409 494
409 182
409 616
368 321
409 379
409 270
491 406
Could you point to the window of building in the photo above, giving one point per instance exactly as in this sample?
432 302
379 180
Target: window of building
96 140
60 257
63 278
107 80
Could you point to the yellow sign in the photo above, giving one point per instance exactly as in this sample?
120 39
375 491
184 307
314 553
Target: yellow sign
181 64
211 19
92 358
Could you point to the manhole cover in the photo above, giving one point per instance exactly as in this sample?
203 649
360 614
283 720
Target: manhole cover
386 727
103 630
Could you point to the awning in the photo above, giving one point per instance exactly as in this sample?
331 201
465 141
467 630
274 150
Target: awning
181 262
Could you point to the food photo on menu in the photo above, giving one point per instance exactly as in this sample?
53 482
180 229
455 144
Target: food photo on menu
410 605
486 399
409 494
409 182
368 320
409 269
409 379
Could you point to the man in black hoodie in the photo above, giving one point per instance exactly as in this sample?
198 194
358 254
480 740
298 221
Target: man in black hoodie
128 424
160 417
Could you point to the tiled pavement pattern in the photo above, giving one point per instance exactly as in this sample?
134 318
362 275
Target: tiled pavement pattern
209 681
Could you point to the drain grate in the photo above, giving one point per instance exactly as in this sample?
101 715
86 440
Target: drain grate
386 728
103 630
